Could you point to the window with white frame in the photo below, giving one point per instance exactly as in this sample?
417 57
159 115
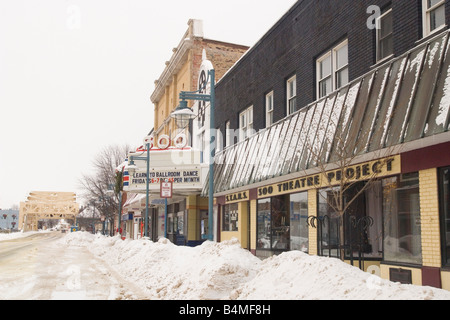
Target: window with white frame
385 39
433 16
245 123
269 109
291 90
332 70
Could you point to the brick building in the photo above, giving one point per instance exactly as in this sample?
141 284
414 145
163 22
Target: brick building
293 45
183 217
182 72
336 131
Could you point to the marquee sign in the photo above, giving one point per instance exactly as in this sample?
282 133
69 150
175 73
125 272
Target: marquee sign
188 177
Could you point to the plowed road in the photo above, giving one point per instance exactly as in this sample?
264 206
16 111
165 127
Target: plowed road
40 267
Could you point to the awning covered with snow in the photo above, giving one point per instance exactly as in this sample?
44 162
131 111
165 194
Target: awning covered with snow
403 100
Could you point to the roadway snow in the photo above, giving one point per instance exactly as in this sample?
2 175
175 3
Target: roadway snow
225 271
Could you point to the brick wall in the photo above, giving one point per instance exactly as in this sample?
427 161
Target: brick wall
429 218
312 211
293 44
253 224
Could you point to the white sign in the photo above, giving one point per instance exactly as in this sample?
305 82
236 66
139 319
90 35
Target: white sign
166 189
189 177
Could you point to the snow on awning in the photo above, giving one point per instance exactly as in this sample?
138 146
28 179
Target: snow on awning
402 100
133 200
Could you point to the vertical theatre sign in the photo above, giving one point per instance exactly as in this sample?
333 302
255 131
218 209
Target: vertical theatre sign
202 108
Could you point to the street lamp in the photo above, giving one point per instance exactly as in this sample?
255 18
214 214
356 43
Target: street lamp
183 114
132 168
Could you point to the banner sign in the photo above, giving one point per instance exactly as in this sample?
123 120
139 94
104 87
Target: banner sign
360 172
180 178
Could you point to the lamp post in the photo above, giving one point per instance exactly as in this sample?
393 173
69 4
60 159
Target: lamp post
132 167
183 113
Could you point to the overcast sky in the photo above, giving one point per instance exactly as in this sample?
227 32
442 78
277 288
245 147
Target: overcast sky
76 76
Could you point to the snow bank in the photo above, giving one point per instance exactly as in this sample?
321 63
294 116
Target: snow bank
169 272
296 275
16 235
226 271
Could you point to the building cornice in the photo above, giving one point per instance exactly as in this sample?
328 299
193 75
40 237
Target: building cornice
172 67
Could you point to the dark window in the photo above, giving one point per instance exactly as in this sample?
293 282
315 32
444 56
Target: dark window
385 39
273 224
445 214
230 217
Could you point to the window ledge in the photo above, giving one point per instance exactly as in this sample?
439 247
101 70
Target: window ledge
382 61
432 34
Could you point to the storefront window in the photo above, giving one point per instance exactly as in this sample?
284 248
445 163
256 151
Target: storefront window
280 223
328 224
273 224
170 223
230 217
180 223
264 224
445 213
160 230
299 216
401 209
363 220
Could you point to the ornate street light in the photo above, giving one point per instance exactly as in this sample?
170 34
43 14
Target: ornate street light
182 115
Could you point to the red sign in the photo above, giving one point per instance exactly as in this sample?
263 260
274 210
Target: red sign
166 189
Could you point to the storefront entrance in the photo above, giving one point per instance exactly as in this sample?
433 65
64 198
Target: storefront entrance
356 234
381 221
282 224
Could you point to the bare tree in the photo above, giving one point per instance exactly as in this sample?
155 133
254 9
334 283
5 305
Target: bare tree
101 188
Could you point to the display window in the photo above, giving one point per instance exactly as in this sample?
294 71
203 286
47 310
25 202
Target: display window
273 224
358 231
282 223
230 217
363 220
299 239
402 228
328 224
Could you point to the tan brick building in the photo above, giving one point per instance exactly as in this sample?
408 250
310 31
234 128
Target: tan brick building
182 72
186 218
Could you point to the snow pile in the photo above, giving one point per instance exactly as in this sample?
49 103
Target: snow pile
226 271
295 275
169 272
16 235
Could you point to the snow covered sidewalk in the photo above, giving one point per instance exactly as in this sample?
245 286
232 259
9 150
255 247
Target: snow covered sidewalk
225 271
